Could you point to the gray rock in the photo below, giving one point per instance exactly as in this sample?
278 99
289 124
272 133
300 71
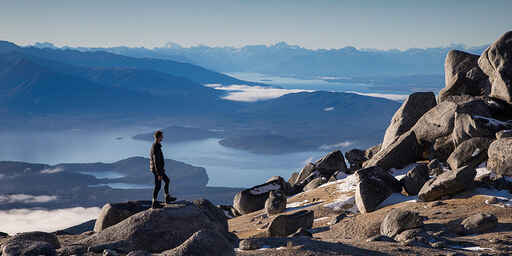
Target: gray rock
398 220
356 158
504 134
500 157
479 223
203 242
331 163
463 76
253 199
27 248
414 179
402 152
471 152
448 183
293 178
250 244
75 249
467 126
112 214
304 173
276 203
302 232
317 182
37 236
370 152
407 115
496 62
374 186
138 253
408 234
172 225
443 147
284 225
437 122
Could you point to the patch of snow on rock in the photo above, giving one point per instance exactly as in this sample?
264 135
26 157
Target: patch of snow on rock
348 184
397 198
476 152
399 173
347 203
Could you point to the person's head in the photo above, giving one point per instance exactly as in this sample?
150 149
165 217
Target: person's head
159 136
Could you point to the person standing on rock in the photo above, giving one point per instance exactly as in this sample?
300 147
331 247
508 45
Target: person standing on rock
156 166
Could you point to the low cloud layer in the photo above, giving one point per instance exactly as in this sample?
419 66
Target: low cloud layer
395 97
25 220
337 145
248 93
50 171
23 198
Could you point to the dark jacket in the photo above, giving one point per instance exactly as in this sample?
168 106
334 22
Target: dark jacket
156 159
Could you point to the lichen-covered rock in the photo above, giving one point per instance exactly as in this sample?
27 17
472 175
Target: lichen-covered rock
112 214
276 203
31 243
374 186
402 152
500 157
468 126
203 242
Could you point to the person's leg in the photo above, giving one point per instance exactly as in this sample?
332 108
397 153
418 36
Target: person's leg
168 198
156 190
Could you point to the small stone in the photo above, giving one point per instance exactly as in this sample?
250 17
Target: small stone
249 244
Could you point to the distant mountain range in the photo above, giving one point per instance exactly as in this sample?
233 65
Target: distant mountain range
290 60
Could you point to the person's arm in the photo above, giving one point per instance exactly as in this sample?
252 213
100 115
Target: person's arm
159 161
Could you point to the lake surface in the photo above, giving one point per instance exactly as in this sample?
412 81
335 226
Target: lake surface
225 166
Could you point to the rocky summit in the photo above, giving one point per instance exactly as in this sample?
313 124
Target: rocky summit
440 183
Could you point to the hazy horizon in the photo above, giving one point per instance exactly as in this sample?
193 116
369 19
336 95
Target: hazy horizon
310 24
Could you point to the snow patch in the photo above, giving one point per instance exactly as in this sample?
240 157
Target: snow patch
476 152
397 198
51 171
399 173
482 170
346 203
347 184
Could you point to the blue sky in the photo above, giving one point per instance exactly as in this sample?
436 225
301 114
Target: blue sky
312 24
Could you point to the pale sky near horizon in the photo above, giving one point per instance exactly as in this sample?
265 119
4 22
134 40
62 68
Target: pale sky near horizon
316 24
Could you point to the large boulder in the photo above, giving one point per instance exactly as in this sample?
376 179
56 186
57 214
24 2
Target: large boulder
463 76
253 199
442 148
370 152
373 187
112 214
407 115
331 163
317 182
447 183
500 157
414 179
471 152
399 220
469 126
31 243
276 203
172 225
285 225
203 242
496 62
306 171
402 152
356 158
437 122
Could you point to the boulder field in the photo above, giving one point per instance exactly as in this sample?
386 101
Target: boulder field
439 183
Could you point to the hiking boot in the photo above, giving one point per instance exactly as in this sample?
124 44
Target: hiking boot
169 199
156 205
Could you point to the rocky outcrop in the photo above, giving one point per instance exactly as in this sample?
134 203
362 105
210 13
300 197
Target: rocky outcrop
253 199
31 243
437 122
399 220
331 163
402 152
374 186
500 157
447 183
203 242
285 225
317 182
463 76
471 152
370 152
407 115
276 203
112 214
414 179
504 134
172 225
496 62
468 126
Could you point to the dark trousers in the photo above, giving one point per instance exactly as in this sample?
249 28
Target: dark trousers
158 185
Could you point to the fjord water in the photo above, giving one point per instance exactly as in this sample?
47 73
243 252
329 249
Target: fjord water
225 166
